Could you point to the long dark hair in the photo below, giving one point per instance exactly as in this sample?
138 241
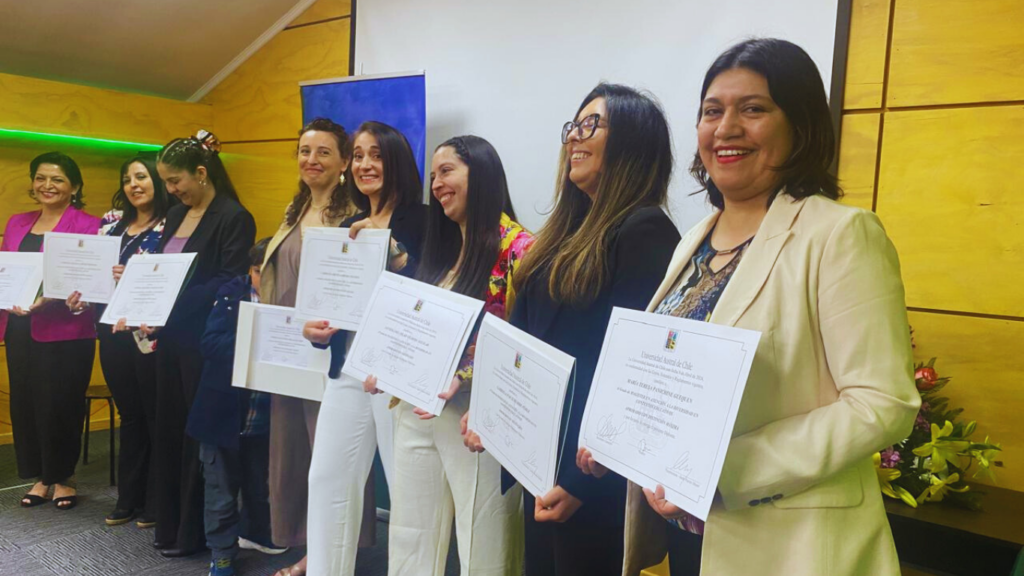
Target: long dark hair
341 196
70 169
401 183
162 201
487 198
189 154
636 173
794 83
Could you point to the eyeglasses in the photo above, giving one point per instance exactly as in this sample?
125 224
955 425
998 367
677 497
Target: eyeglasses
585 128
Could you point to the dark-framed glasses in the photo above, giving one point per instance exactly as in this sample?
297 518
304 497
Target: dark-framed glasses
584 129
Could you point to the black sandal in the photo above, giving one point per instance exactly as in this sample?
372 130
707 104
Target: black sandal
66 502
32 500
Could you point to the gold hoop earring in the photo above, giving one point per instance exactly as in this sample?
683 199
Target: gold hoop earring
341 180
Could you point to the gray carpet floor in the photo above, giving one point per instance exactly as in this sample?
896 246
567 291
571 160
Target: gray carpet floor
44 541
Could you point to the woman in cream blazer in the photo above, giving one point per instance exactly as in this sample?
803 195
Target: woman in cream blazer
832 378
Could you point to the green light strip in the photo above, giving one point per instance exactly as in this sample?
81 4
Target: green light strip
79 139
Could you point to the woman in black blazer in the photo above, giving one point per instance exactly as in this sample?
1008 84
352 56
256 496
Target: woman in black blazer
607 243
211 223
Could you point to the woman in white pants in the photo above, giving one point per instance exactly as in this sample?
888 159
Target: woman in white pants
352 425
473 246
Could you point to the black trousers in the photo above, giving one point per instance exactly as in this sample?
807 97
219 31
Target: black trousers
231 473
572 548
48 382
179 483
131 377
683 552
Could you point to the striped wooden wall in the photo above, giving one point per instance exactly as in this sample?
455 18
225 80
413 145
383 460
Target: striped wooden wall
258 111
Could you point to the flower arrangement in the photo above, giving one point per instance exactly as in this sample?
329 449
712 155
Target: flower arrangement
933 463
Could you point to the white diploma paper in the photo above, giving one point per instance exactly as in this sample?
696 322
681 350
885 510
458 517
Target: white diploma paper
338 274
148 289
80 262
21 273
664 400
519 385
411 338
272 356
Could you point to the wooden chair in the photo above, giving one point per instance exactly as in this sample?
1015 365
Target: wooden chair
100 392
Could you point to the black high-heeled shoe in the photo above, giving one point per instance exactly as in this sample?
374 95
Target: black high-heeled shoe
66 502
33 500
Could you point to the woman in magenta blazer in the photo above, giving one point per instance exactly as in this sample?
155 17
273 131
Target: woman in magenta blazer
50 350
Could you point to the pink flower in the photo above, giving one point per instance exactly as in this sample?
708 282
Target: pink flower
926 378
890 458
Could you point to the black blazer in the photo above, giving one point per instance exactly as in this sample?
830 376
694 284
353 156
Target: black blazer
408 226
221 242
639 252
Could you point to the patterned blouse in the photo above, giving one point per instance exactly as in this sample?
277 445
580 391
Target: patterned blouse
515 241
145 243
695 297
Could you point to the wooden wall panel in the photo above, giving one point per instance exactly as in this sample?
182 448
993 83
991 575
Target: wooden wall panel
324 10
956 51
260 100
45 106
865 64
266 176
983 358
950 196
858 154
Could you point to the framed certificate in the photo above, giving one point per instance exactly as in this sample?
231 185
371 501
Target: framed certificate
664 400
338 274
271 355
519 387
148 289
80 262
21 274
411 338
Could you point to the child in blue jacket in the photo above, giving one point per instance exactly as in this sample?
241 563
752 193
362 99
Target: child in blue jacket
233 427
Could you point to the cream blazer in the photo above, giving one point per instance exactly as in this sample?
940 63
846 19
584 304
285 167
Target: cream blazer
832 383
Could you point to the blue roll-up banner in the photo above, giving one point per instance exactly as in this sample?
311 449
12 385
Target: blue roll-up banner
398 100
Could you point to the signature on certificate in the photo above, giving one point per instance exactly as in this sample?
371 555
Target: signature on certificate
681 469
370 357
607 431
488 421
530 463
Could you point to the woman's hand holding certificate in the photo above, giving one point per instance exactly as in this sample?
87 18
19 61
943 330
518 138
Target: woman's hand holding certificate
663 403
411 338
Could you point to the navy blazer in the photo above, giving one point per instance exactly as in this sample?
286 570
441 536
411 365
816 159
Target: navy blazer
219 409
221 242
408 226
639 252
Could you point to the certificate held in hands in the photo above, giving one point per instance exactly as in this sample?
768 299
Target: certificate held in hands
21 273
338 274
79 262
148 289
519 385
664 400
411 338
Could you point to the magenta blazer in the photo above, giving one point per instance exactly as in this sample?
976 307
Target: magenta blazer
53 322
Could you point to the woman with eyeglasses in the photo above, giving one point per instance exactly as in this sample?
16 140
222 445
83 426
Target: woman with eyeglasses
128 360
211 223
607 243
50 350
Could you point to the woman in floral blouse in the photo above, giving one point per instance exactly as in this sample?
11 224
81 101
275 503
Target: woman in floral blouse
139 208
473 247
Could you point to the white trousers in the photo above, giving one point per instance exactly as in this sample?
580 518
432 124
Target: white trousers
437 480
351 427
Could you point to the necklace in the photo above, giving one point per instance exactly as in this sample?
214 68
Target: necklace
732 250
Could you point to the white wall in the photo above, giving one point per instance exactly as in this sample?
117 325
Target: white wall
514 72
